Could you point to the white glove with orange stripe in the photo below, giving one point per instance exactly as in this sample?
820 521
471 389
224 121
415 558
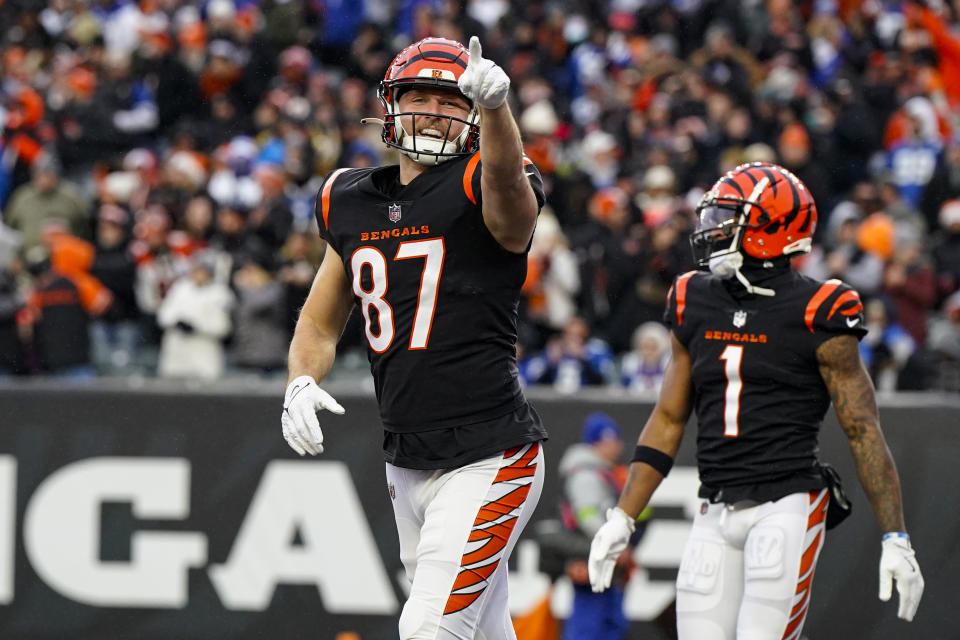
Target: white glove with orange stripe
484 81
609 542
898 562
301 429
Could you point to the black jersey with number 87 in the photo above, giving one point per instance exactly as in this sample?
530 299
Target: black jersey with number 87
438 295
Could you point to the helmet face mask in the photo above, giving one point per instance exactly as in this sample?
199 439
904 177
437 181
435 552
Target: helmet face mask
719 232
431 64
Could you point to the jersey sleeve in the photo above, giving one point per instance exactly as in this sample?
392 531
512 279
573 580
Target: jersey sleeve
835 308
676 315
324 205
474 169
536 180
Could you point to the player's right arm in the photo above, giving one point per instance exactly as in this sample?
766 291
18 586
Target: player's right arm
656 448
311 355
663 431
321 321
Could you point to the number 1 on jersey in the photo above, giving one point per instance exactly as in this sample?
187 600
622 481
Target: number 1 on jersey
732 356
432 251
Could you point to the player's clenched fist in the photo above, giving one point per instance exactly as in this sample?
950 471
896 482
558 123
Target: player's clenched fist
484 81
301 429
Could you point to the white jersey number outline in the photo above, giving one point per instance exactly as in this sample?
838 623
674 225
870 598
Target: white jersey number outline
732 356
433 252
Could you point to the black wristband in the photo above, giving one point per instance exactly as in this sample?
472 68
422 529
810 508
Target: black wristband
653 457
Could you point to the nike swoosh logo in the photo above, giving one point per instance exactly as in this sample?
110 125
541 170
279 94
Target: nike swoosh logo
528 173
851 322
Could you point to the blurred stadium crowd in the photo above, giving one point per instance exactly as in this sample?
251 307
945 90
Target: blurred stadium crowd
159 161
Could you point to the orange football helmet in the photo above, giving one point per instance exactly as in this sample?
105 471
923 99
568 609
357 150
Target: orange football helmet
430 63
761 210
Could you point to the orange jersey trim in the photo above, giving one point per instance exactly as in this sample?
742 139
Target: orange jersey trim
824 292
848 296
682 294
468 177
325 196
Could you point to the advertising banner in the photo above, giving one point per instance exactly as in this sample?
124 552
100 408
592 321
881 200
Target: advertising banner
172 512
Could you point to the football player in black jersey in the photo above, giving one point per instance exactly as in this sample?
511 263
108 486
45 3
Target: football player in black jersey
759 352
433 252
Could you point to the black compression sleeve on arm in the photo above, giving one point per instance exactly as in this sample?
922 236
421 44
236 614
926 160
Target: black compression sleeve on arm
653 457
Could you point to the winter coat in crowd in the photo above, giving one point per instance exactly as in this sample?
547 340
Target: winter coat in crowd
195 318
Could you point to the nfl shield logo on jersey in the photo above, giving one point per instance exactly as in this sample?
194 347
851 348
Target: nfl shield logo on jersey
392 491
393 212
739 318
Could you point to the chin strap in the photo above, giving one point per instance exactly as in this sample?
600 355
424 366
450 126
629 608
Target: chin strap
759 291
377 121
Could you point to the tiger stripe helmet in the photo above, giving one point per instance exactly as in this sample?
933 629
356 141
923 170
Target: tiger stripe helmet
430 63
761 210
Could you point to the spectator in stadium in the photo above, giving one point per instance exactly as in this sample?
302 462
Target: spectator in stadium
944 185
299 259
64 299
195 319
571 360
259 326
115 337
233 239
724 65
592 481
46 197
844 254
944 345
909 282
11 302
760 477
913 156
177 95
21 119
271 218
946 248
553 279
797 154
887 348
460 211
127 101
609 248
643 368
159 265
619 82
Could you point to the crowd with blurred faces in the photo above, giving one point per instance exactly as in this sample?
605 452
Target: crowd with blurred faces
160 159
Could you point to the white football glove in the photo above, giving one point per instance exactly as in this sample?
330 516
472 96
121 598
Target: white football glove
898 562
484 81
607 545
301 429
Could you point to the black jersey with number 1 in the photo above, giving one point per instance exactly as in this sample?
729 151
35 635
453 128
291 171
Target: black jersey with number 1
758 395
439 298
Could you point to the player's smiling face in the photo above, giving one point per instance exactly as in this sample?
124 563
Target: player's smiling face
443 103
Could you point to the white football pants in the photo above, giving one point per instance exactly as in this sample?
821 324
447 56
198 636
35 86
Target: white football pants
457 528
747 568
